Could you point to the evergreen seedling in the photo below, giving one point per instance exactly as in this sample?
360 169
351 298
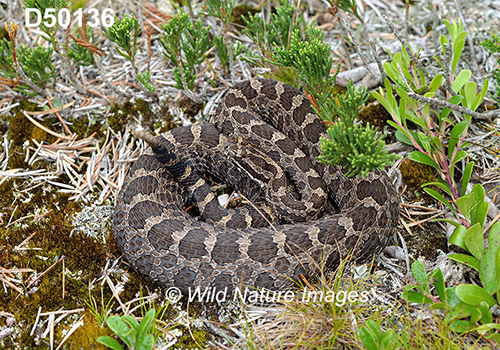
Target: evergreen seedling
185 44
120 33
42 6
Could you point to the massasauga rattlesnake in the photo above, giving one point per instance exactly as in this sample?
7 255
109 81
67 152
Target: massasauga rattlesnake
255 123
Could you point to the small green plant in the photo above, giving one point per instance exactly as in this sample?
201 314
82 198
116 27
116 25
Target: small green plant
310 58
43 5
134 334
37 64
467 305
350 143
269 35
120 33
374 338
223 52
414 106
144 79
227 52
100 312
185 45
7 70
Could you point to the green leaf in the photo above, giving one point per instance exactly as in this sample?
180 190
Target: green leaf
478 215
436 83
473 295
461 326
474 241
466 176
457 50
438 282
145 324
439 197
458 235
487 327
401 136
475 315
131 321
480 96
444 186
57 103
416 297
423 158
121 328
494 232
438 306
147 342
368 339
452 297
418 271
469 94
466 259
488 272
109 342
462 78
487 317
451 222
460 310
460 155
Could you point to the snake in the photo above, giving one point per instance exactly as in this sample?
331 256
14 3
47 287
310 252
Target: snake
263 141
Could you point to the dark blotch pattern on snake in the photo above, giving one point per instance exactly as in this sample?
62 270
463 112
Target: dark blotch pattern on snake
330 215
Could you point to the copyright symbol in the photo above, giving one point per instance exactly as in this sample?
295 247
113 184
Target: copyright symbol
173 294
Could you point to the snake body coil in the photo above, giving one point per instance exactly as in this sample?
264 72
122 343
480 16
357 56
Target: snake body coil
163 242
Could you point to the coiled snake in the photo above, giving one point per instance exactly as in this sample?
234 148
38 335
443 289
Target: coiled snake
272 129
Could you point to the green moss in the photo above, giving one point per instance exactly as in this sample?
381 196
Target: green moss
195 340
414 175
376 115
85 336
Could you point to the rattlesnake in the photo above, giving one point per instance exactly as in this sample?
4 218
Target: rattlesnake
172 248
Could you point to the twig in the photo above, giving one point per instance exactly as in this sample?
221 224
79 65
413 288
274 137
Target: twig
10 284
435 21
108 83
63 278
434 101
